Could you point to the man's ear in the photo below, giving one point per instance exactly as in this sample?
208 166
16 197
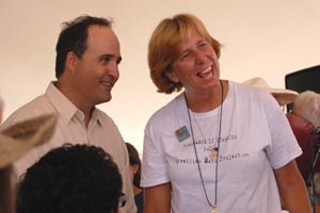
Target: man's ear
71 61
172 76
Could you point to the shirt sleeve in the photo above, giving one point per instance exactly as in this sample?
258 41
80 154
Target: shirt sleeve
284 147
154 164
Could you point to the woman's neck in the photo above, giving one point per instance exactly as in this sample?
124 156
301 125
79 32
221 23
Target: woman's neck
207 101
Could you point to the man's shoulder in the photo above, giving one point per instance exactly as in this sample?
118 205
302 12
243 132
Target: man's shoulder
38 106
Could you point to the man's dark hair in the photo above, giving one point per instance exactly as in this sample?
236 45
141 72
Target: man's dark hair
73 37
71 179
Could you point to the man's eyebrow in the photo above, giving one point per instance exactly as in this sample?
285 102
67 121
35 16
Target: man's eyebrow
111 56
107 56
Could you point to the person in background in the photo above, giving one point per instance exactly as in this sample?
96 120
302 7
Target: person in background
16 141
219 146
304 119
71 178
87 68
6 193
135 169
1 109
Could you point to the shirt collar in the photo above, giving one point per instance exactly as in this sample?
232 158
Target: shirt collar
61 103
65 107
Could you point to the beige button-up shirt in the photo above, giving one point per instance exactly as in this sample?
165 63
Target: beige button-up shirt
71 128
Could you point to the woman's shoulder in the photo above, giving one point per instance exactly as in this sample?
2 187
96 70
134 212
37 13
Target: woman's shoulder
167 114
248 96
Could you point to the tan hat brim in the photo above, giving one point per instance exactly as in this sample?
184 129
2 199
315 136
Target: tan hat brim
21 137
284 99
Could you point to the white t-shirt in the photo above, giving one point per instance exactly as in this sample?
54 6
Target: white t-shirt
255 139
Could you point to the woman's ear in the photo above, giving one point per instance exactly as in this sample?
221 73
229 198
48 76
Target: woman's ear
172 76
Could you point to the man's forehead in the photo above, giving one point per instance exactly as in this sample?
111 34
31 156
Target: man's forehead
95 31
103 38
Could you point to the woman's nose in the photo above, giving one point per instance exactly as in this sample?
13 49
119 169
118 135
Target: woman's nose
200 57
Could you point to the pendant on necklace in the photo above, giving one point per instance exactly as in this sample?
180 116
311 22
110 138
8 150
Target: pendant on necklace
214 209
214 154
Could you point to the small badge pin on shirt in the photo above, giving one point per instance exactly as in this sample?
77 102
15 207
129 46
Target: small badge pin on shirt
214 154
182 133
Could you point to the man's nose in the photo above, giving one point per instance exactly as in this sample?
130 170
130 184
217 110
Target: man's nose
113 70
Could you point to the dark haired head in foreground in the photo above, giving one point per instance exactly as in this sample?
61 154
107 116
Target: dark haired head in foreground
71 178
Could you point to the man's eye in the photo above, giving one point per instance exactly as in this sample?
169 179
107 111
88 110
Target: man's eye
105 60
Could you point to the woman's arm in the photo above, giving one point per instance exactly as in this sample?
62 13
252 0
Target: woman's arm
157 199
292 188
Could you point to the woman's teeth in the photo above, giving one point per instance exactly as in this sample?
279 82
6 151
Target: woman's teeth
205 72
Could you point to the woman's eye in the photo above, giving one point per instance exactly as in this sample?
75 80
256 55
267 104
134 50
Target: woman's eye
185 55
203 45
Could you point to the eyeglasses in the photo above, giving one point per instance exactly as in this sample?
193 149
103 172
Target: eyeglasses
122 200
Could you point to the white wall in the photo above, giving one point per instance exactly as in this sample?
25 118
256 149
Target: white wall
266 38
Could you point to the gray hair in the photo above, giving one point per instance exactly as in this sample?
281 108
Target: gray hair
307 104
